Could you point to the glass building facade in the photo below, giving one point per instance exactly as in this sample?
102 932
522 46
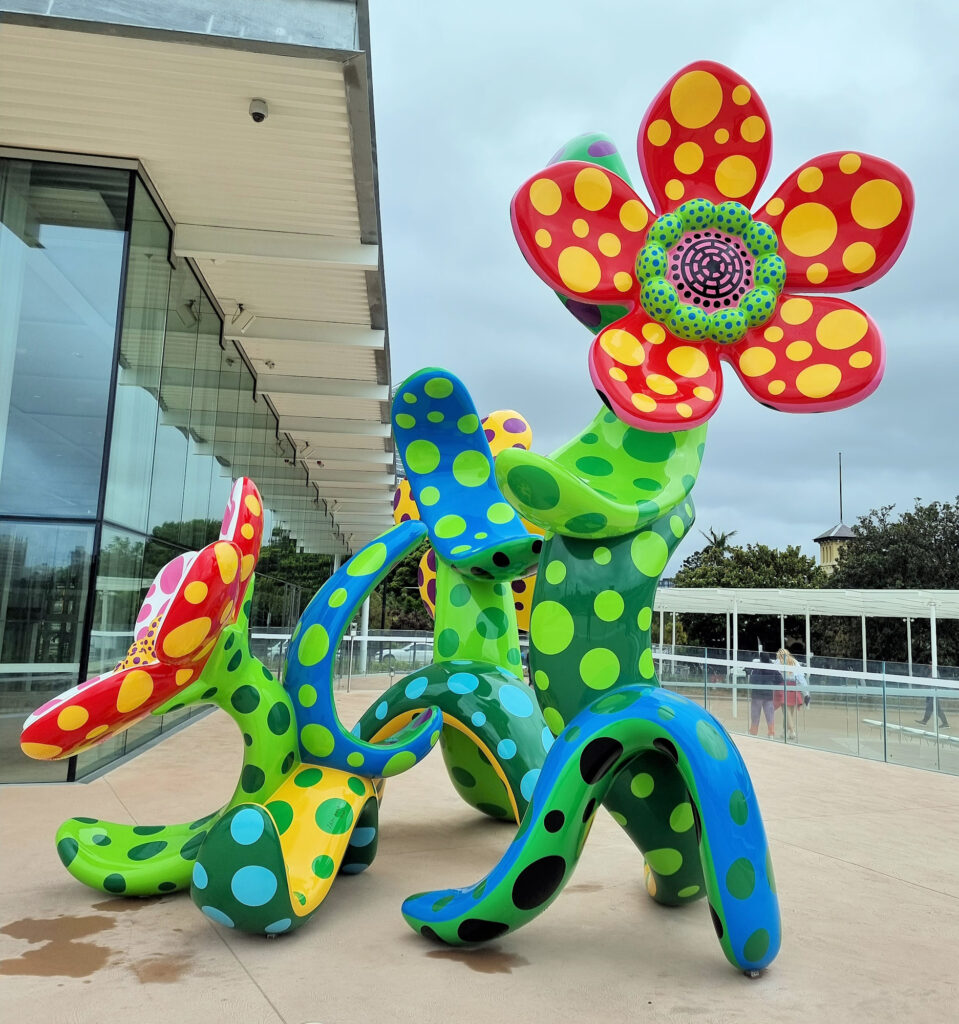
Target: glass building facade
124 417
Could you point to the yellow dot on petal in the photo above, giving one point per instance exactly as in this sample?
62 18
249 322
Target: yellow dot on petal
40 751
617 374
183 676
578 269
226 560
741 95
675 189
252 504
545 196
795 311
773 334
858 257
860 360
247 531
687 361
735 176
185 638
776 387
754 362
580 228
246 566
753 128
633 215
623 281
849 163
721 136
609 244
196 592
876 203
654 333
624 347
819 381
688 158
816 273
658 132
72 718
645 403
775 207
684 410
98 730
226 612
135 690
809 179
592 188
797 351
808 229
661 385
842 328
695 98
543 238
704 394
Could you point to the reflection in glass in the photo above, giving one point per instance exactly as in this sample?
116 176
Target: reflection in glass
44 576
62 233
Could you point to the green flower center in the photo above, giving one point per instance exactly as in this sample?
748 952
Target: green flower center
710 272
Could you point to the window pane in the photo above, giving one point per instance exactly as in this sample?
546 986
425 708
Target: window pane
44 578
61 252
141 353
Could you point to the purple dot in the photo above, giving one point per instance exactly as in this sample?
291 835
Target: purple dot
490 434
396 498
518 605
602 148
431 591
518 586
515 426
405 517
518 445
419 578
586 313
431 559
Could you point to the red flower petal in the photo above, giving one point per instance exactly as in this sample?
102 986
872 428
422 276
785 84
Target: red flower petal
817 353
705 136
653 380
204 603
580 227
87 714
243 524
842 220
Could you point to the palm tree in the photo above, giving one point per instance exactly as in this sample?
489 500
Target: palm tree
718 542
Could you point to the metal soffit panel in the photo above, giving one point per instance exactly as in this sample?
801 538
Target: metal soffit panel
881 603
268 214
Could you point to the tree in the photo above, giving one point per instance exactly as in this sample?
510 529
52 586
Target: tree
917 551
717 541
756 565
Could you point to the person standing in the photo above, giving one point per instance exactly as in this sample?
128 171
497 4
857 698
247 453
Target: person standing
764 681
794 693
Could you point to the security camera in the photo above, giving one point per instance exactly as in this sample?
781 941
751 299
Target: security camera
259 111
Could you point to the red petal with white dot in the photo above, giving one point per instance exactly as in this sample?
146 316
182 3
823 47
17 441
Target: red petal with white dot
705 136
580 228
842 220
653 380
817 353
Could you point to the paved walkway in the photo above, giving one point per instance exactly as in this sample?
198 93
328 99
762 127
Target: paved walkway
865 857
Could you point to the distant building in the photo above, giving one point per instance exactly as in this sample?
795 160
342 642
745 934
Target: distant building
831 543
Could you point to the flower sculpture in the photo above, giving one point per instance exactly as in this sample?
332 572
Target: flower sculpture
190 602
668 297
699 280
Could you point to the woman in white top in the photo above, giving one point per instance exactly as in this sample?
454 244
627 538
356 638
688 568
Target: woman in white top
796 690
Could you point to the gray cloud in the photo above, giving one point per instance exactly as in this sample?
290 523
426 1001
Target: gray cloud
472 99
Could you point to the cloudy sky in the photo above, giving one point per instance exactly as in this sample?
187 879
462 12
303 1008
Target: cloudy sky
472 99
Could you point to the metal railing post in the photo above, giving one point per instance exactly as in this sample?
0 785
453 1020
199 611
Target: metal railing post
885 718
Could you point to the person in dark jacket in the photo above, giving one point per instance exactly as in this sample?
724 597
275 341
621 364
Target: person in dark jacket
764 681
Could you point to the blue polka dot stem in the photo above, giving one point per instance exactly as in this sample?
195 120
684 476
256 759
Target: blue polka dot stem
721 810
310 667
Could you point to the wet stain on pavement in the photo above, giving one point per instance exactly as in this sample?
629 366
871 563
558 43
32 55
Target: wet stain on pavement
62 952
483 961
